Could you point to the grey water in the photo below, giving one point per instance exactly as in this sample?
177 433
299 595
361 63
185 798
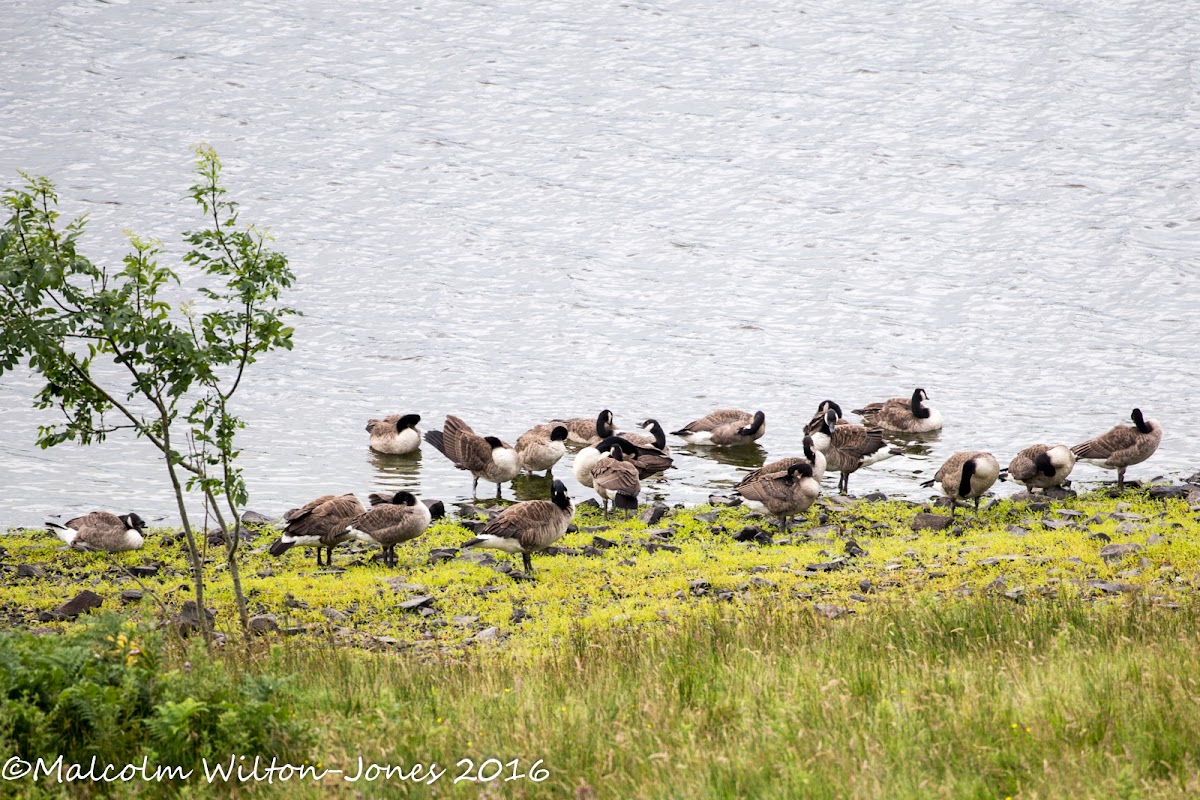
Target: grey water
512 211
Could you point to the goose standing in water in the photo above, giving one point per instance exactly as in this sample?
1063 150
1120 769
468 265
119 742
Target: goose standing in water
615 478
784 493
725 428
1122 446
400 519
815 426
903 414
812 456
648 460
653 438
528 527
966 476
320 523
483 456
395 435
541 447
1041 466
848 447
102 531
581 430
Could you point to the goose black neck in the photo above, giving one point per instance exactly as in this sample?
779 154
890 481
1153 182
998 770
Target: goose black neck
919 411
1044 464
808 449
558 495
964 483
1140 421
753 427
604 427
660 437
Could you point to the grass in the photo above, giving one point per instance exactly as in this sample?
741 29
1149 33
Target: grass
628 679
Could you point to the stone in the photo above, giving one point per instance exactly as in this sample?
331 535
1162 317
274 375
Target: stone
997 586
266 573
400 585
761 582
1056 524
591 502
699 587
827 566
439 554
146 571
554 550
722 500
831 611
416 603
601 543
333 615
931 522
750 533
1169 492
487 635
263 623
189 617
1016 594
464 621
591 552
853 550
1016 530
708 516
254 518
875 497
1069 512
654 513
30 571
131 595
1116 552
653 546
866 586
518 615
83 602
1100 537
1113 587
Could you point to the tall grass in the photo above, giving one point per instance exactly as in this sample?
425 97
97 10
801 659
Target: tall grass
980 699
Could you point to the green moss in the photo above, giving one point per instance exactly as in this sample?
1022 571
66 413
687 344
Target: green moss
629 586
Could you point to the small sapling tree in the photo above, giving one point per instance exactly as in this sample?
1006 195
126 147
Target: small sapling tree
134 348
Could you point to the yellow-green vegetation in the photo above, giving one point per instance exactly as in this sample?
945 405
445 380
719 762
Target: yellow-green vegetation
714 671
646 578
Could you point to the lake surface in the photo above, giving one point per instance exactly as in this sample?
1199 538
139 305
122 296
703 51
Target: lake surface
512 211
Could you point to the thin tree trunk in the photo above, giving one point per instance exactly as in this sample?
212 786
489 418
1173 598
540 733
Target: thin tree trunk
197 561
232 540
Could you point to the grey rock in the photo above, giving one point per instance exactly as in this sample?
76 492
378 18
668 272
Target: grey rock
1116 552
439 554
654 546
708 516
602 543
1056 524
255 518
83 602
1016 530
931 522
484 591
464 621
263 623
333 615
1113 587
591 552
518 615
591 502
752 533
131 595
1100 537
722 500
761 582
399 585
30 571
699 586
875 497
827 566
266 573
831 611
654 513
189 617
997 586
423 601
491 634
865 585
1016 594
1069 512
147 571
859 598
1169 492
1059 493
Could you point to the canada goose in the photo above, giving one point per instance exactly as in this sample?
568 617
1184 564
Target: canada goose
395 435
529 526
101 530
656 438
542 446
581 430
783 494
725 428
388 524
903 414
814 426
1041 466
848 447
812 456
1123 446
648 460
484 456
615 478
966 476
319 523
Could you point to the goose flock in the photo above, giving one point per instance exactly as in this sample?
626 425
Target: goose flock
614 463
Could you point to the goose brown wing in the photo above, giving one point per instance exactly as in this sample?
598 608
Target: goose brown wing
856 441
1023 467
464 447
383 517
97 521
319 518
1101 447
534 523
616 476
716 419
782 465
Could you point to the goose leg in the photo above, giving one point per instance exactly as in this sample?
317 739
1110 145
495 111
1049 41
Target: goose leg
497 491
977 505
475 486
952 506
1120 479
329 556
319 556
527 562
